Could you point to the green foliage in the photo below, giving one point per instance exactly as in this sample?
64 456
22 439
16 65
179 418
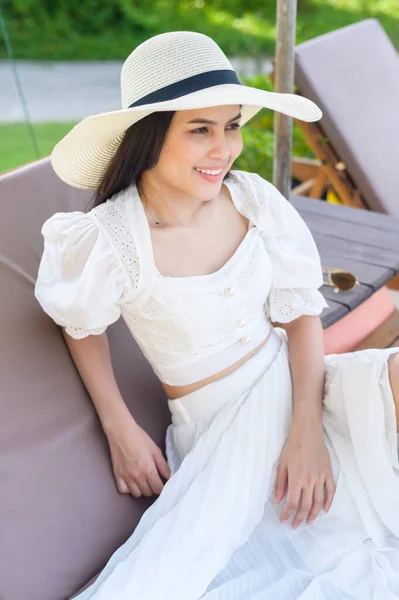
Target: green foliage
111 29
258 137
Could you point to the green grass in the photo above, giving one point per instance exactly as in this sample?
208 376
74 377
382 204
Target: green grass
17 148
111 29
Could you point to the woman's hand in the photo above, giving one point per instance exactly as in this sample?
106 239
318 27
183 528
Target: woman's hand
138 463
305 474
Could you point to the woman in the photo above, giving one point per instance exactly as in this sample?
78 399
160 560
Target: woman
282 473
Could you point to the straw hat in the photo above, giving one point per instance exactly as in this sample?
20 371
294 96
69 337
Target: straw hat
180 70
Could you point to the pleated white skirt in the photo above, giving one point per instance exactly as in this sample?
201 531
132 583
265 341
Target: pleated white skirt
214 534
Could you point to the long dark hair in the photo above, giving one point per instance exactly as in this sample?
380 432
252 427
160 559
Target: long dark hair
139 151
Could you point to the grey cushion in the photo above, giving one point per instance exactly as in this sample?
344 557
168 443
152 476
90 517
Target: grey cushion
353 75
61 515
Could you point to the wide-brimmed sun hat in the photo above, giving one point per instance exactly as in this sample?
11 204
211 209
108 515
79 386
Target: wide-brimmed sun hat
180 70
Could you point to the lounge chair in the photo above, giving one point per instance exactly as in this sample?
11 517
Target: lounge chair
353 75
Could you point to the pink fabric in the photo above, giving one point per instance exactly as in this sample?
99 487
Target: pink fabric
350 331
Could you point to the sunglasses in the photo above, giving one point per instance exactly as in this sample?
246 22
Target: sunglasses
341 281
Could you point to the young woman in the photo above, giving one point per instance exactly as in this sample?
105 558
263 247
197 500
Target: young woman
282 473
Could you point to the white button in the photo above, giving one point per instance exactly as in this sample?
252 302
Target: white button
241 322
229 291
245 340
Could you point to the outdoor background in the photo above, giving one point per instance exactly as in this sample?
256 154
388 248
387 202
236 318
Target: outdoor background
68 55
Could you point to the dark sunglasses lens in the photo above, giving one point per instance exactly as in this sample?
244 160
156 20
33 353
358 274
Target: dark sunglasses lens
343 280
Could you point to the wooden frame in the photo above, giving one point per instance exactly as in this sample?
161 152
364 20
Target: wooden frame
385 336
315 180
328 170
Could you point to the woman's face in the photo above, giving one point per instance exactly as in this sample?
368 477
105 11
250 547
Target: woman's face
206 139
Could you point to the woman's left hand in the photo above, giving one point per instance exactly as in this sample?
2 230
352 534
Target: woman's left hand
305 474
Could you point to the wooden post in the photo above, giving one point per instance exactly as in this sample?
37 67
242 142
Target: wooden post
284 83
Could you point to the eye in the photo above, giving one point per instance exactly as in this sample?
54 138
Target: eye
231 127
200 130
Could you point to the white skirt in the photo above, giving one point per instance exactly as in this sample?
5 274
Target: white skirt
214 533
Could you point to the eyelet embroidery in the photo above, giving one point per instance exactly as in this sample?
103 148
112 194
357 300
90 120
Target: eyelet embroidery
78 333
112 215
284 306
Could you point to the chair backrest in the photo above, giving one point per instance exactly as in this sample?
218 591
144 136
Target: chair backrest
353 75
61 516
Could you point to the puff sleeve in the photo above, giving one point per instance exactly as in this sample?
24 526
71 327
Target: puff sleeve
296 268
81 284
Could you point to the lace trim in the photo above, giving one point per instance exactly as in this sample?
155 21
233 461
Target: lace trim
285 305
78 333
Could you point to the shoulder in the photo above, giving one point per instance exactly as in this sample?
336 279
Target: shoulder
114 211
261 201
103 235
106 216
243 179
254 188
293 253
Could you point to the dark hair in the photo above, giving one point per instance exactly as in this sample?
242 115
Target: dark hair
139 151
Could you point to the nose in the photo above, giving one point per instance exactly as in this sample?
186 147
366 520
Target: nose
220 147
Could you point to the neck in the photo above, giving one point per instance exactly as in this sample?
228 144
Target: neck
168 207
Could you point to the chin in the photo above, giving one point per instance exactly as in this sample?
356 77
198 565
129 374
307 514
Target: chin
206 195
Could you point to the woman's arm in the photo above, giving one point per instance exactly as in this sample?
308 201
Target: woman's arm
306 357
92 358
305 467
137 460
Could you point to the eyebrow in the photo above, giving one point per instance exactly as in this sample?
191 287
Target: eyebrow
207 122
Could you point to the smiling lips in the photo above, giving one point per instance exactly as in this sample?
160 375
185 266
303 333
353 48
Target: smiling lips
210 174
210 171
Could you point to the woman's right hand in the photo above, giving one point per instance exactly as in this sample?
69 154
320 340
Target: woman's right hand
138 463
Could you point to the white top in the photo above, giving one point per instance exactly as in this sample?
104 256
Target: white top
99 265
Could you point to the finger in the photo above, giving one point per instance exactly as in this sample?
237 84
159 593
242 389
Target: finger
135 490
293 498
122 486
281 485
155 482
318 501
330 492
143 485
305 506
162 465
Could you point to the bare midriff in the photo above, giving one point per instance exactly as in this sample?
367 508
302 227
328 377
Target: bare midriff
178 391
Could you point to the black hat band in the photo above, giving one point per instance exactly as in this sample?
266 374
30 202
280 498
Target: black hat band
189 85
